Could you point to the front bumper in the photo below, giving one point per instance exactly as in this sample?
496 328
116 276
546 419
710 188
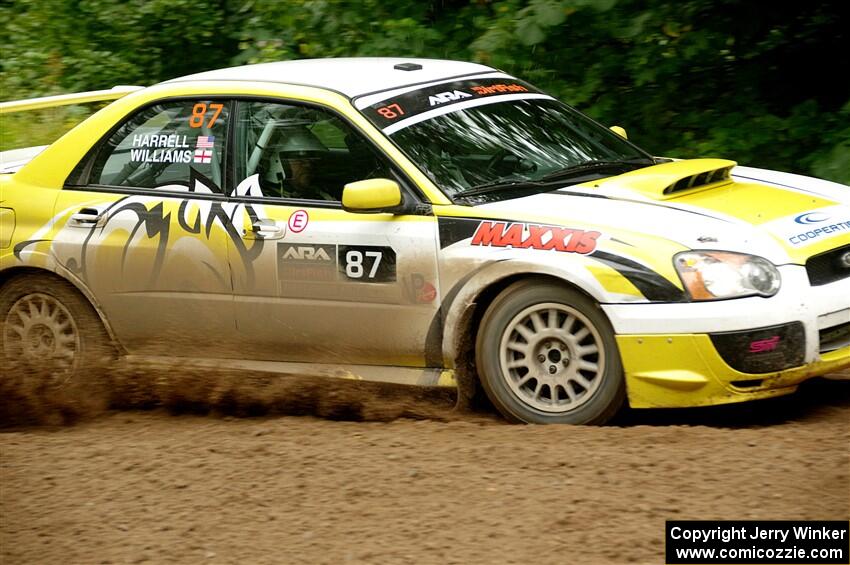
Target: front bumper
704 353
701 377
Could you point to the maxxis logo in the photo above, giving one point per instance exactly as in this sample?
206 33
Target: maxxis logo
525 236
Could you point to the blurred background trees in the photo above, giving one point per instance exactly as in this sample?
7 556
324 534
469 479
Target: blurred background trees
766 84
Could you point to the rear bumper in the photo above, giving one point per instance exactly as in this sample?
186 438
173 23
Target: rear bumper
683 370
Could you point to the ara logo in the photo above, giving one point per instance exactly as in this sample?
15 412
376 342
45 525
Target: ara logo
306 262
525 236
811 218
306 253
449 96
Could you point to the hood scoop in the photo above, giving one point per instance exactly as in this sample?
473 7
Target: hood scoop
671 180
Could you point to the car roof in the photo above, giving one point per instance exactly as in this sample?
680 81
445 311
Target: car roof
352 76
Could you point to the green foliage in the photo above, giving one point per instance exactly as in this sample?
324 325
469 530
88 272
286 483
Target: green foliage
41 127
55 46
736 79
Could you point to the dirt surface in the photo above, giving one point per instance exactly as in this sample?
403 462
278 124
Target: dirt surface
352 475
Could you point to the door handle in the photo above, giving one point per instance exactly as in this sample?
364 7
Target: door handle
263 229
88 218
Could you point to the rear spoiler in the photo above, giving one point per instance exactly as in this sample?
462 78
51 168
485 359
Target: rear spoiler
67 99
12 160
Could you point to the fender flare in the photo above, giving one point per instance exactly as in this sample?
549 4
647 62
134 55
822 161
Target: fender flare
463 296
61 272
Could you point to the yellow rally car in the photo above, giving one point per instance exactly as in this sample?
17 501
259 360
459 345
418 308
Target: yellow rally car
421 222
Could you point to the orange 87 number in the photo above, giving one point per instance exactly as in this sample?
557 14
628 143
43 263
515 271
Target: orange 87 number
390 111
199 112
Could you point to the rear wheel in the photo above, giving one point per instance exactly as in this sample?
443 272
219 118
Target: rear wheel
546 354
50 335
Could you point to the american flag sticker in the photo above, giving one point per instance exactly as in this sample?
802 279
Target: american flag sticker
203 156
205 142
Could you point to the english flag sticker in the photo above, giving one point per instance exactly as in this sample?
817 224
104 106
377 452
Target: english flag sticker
203 156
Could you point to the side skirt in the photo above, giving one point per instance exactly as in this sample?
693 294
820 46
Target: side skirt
375 373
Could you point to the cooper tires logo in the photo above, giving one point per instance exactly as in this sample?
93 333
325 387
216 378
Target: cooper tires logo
811 218
819 224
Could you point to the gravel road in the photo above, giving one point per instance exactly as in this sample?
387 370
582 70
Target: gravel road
333 478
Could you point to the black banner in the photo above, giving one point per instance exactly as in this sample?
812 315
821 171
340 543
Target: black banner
416 102
751 541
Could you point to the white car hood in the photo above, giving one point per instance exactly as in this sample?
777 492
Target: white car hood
617 209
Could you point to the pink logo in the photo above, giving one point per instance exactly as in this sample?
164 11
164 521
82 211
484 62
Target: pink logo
298 221
427 293
764 345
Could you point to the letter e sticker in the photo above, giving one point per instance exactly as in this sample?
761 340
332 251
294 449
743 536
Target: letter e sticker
298 221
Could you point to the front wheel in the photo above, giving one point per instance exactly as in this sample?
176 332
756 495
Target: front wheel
546 354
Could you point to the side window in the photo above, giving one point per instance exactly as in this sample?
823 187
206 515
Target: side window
299 152
162 145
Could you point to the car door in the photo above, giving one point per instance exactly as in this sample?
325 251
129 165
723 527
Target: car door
313 282
145 229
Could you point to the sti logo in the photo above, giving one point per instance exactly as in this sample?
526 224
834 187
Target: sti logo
764 345
450 96
305 253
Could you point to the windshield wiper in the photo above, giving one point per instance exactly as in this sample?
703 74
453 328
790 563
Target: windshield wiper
574 172
501 185
583 169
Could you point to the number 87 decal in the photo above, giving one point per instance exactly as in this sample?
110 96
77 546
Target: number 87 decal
354 263
199 113
366 263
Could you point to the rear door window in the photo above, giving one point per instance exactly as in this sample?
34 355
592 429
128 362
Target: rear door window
167 146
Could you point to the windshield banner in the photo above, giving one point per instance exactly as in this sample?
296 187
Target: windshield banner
391 111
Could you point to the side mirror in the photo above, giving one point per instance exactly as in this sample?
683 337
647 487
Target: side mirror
371 196
619 131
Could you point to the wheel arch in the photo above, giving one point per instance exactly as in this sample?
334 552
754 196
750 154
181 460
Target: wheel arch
466 313
12 272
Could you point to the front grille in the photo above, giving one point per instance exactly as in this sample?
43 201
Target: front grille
834 338
763 350
828 267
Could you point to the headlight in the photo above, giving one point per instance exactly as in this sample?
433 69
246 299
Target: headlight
711 275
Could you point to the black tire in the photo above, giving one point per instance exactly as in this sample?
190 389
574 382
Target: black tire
526 363
50 335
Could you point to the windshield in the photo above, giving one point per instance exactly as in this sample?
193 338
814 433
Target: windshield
505 141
